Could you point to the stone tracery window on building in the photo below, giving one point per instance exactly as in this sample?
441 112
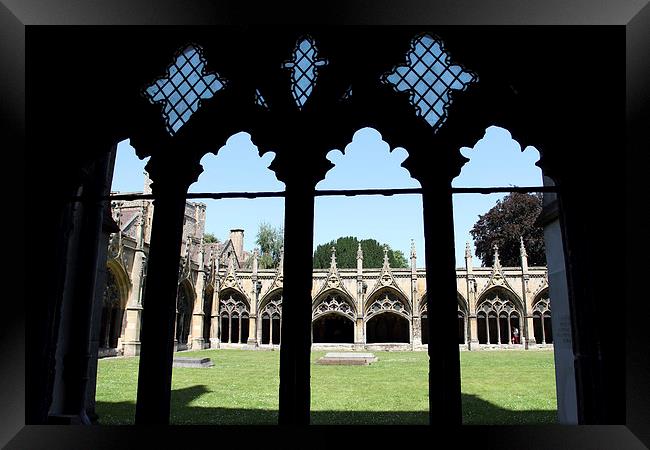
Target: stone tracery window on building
333 319
271 320
429 77
498 317
187 83
542 324
234 312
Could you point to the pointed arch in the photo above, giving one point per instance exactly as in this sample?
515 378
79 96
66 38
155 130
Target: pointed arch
270 296
505 292
542 322
116 292
387 298
500 316
270 317
122 278
234 314
335 301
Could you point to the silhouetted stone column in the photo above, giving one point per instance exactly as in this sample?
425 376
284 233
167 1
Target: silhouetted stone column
444 358
159 303
296 304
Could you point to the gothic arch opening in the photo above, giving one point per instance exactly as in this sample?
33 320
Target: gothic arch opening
112 318
270 319
542 324
387 327
499 317
234 313
333 328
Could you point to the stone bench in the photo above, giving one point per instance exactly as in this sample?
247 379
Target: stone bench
185 361
347 359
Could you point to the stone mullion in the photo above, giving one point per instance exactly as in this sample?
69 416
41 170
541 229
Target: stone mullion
229 328
76 350
509 329
260 322
543 331
498 328
271 329
443 350
294 394
159 306
239 329
487 326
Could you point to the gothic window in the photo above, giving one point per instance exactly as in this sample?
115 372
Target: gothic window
234 314
271 321
304 70
429 77
333 303
387 302
498 322
542 327
186 84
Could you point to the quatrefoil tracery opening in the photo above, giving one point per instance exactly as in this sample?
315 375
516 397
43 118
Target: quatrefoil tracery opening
429 77
186 84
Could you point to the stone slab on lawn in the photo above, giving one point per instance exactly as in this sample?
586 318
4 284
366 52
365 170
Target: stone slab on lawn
347 359
186 361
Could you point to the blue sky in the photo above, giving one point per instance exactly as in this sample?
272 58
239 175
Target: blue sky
367 162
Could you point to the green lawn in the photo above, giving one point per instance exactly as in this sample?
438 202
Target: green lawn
499 387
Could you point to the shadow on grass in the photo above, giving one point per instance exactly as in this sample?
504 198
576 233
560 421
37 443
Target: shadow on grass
475 412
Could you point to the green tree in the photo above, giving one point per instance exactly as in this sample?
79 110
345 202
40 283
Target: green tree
210 238
270 241
346 254
510 219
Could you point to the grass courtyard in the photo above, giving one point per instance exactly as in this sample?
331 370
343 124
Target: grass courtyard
498 387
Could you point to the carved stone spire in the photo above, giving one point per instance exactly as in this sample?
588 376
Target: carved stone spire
468 251
281 263
359 262
413 257
524 256
386 263
497 262
333 258
201 253
522 248
255 261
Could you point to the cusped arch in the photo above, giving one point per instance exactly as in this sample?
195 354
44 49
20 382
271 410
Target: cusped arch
334 301
270 296
387 300
233 292
542 294
503 293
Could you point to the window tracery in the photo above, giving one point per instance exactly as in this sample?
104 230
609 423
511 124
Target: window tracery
186 84
429 77
304 70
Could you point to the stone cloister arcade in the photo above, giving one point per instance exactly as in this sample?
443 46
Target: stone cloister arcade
222 305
